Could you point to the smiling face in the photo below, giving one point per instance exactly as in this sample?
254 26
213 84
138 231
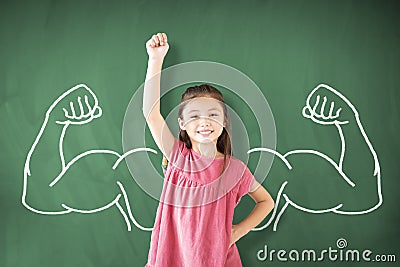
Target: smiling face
203 119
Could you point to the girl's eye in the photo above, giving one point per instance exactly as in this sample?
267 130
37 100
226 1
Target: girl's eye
194 117
213 115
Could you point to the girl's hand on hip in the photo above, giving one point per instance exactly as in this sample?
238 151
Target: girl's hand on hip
157 46
236 234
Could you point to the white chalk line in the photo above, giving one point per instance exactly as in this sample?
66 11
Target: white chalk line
131 152
278 198
128 207
315 116
78 157
88 117
322 155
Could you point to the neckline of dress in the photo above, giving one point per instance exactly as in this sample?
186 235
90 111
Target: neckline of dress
201 156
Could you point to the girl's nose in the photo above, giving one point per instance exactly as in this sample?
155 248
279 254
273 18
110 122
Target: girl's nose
204 121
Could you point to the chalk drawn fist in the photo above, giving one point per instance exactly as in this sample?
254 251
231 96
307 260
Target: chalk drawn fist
325 105
157 46
78 105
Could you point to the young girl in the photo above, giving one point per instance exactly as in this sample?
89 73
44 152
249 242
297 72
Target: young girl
203 181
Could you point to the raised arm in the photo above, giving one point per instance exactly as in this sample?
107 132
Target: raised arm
157 47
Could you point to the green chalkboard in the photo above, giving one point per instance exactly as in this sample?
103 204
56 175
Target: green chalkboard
73 194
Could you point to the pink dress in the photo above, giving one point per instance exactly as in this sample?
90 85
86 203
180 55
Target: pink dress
194 217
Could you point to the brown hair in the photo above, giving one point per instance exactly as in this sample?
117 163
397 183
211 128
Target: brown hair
224 145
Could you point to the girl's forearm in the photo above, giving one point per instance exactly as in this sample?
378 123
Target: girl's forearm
151 94
260 211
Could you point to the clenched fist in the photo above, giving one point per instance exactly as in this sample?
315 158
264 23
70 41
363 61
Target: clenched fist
327 106
157 46
79 105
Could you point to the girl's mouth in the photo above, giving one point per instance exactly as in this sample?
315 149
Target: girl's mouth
205 133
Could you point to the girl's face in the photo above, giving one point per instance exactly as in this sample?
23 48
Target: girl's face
203 119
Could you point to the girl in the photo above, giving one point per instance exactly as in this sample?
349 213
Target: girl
203 182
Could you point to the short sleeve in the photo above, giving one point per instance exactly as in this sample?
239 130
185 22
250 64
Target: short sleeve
254 186
247 184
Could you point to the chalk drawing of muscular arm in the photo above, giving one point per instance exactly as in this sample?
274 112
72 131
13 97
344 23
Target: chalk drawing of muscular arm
349 184
65 187
57 186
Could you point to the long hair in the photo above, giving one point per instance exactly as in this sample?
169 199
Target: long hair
224 145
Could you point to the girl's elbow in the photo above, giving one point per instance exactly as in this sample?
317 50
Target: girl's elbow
147 116
271 204
268 204
151 116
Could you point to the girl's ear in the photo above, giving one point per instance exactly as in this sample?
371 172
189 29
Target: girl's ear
181 124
